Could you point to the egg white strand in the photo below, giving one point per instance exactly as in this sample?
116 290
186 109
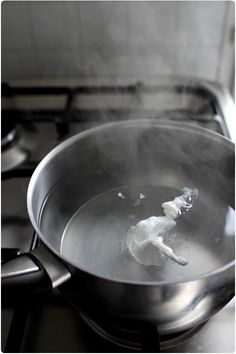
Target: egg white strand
145 240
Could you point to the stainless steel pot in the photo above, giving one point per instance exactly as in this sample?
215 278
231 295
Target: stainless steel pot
143 152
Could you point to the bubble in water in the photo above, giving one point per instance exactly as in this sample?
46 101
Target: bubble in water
138 201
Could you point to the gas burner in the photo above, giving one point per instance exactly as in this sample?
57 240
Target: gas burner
8 139
8 130
130 339
13 157
17 143
14 150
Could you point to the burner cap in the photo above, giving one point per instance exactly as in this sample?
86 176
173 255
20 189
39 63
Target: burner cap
17 142
8 129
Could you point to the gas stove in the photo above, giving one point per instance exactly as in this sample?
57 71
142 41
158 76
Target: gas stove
37 117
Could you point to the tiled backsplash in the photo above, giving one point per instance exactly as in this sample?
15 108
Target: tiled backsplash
66 39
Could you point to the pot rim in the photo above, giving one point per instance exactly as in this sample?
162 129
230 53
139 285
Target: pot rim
68 142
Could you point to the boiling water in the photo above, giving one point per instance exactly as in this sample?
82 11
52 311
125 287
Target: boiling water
95 237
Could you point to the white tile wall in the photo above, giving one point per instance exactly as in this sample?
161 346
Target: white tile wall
200 62
151 25
60 63
19 64
16 30
150 64
73 39
103 25
54 24
105 63
200 22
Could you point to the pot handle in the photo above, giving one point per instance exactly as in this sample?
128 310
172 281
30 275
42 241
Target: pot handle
32 274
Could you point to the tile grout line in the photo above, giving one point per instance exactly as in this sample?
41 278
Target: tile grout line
33 39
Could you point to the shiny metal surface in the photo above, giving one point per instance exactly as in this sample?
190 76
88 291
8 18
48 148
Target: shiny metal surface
133 339
173 307
55 316
8 138
13 157
224 105
19 149
216 336
74 165
56 270
19 266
